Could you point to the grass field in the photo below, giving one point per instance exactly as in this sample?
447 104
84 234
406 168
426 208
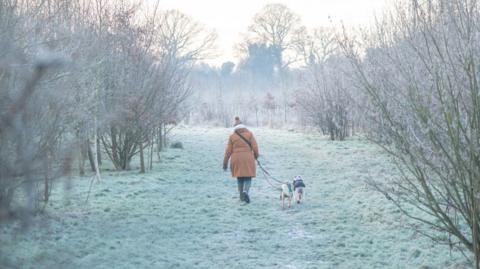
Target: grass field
186 213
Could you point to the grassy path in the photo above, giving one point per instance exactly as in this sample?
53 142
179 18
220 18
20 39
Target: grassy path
186 214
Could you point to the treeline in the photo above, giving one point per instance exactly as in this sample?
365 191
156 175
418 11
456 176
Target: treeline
88 81
287 75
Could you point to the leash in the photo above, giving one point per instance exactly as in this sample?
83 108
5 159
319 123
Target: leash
270 183
267 174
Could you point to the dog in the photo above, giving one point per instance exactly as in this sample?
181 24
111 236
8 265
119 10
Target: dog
286 193
298 186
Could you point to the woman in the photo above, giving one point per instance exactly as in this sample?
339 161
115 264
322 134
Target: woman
242 150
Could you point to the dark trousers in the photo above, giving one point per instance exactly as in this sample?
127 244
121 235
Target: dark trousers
244 184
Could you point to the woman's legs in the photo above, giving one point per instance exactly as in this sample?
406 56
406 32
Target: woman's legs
244 184
240 185
247 182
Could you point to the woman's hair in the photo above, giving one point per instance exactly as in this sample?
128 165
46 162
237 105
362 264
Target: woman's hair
237 121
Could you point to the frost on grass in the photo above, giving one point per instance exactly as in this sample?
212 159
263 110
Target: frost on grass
186 214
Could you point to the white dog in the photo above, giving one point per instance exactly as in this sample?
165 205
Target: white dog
287 192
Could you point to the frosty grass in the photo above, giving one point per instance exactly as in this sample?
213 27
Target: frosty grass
186 213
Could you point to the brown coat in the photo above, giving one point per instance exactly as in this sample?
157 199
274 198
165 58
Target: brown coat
242 158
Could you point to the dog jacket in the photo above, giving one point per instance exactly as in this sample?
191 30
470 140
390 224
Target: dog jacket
298 183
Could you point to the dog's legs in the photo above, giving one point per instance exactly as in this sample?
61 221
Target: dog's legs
300 195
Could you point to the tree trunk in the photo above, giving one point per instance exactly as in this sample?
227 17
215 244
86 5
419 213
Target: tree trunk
99 153
46 190
121 148
160 135
164 135
81 160
114 150
142 158
90 156
475 229
151 156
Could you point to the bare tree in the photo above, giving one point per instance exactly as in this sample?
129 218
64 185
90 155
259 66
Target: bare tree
122 82
33 150
326 99
420 73
277 26
151 82
182 39
316 46
270 105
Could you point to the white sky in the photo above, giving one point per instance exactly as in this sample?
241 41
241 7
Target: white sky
230 18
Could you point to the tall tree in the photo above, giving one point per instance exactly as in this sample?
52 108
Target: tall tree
278 27
260 60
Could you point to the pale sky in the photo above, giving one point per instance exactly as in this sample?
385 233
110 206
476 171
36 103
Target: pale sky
230 18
